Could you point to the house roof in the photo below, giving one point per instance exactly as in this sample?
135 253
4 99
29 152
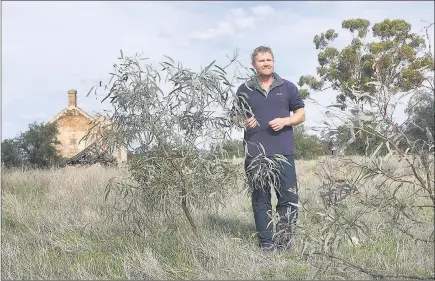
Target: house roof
63 112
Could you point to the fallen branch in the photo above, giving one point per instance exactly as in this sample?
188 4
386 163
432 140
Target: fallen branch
375 274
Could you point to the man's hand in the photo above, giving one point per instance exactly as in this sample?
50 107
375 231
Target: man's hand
297 118
251 123
278 123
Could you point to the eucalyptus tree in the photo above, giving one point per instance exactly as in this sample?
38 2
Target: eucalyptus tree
397 186
178 118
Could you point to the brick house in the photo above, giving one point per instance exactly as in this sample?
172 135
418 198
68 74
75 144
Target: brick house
73 123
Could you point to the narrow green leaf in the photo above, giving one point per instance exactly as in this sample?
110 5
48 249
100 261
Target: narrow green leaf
429 135
90 91
376 150
220 68
209 66
387 143
173 62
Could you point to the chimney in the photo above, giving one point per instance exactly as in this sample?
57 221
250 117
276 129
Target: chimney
72 98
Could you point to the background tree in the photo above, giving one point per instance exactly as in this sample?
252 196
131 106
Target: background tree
35 147
38 144
400 180
232 148
420 112
358 146
11 154
308 146
395 57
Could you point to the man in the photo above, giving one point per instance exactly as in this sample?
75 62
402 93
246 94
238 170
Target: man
269 132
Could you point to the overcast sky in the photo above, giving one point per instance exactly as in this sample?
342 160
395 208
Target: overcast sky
50 47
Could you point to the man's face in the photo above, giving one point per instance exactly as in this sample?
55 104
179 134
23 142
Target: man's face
263 63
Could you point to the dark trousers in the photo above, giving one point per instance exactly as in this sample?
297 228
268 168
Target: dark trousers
287 207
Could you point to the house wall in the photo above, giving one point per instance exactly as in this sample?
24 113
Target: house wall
72 127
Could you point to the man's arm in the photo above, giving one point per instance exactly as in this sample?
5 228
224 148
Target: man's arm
297 118
296 105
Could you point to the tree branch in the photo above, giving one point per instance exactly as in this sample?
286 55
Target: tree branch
376 274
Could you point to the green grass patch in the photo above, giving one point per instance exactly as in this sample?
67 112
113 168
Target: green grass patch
10 224
234 227
27 189
382 248
290 271
171 249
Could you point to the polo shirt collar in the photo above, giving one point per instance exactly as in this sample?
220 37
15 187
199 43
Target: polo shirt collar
254 82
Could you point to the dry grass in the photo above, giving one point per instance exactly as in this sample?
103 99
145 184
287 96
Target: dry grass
53 227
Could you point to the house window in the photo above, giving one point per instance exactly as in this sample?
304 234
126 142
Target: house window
73 140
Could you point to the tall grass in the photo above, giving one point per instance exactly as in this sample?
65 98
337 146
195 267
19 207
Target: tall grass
54 227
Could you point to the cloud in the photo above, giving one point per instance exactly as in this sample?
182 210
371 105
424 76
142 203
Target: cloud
74 44
237 22
35 116
264 10
223 28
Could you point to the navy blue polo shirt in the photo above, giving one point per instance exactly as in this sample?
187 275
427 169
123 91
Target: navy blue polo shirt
282 98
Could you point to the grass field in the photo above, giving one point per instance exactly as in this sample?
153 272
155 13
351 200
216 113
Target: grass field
53 227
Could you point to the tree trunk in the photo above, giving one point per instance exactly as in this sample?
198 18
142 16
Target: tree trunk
187 212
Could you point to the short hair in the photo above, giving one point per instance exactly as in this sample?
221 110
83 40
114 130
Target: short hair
261 49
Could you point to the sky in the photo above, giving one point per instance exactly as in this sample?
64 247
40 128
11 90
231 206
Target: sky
51 47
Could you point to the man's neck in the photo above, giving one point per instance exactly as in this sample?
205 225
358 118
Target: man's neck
265 79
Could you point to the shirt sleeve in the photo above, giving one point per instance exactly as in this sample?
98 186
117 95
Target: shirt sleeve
295 100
